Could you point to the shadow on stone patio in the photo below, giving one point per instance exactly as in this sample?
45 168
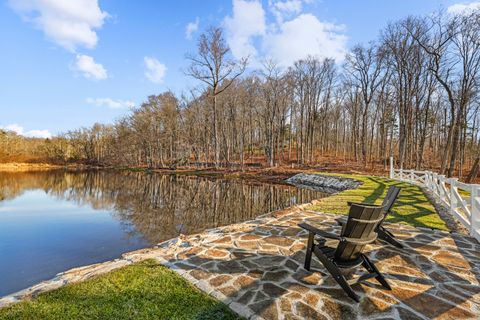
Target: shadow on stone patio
260 272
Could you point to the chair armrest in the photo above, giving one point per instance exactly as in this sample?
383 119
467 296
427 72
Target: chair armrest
319 232
359 203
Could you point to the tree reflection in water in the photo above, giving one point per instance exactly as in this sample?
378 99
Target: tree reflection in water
159 206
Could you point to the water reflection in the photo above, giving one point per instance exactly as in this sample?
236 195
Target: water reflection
160 206
53 221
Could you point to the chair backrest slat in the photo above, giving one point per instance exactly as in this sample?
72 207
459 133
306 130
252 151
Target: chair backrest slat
361 224
389 200
391 196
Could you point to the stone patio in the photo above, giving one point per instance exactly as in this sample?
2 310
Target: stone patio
256 268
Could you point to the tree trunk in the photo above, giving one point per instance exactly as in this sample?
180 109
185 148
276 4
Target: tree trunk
474 171
216 145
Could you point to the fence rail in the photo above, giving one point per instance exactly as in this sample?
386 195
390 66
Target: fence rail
462 199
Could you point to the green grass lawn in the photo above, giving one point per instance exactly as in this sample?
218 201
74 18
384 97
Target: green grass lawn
412 207
145 290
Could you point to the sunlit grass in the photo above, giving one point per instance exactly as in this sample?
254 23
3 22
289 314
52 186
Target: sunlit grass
412 207
144 290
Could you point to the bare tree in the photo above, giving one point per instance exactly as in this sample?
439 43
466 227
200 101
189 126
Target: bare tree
212 66
412 94
365 66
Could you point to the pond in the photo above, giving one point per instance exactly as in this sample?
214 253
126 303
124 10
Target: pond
52 221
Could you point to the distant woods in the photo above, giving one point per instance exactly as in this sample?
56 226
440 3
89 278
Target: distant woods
17 148
411 94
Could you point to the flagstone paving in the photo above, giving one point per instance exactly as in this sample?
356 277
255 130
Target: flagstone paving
256 268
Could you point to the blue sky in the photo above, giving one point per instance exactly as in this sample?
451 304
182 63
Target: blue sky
70 63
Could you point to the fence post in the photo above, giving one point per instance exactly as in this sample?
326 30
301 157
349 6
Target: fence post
453 198
441 184
475 212
435 184
391 167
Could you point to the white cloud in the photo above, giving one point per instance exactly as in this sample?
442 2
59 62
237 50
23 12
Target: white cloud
285 9
90 69
191 28
463 8
68 23
247 21
111 103
291 36
38 134
306 35
155 71
13 127
31 133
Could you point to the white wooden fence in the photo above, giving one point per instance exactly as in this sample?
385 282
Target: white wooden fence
463 200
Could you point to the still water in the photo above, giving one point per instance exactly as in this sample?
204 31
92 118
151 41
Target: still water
57 220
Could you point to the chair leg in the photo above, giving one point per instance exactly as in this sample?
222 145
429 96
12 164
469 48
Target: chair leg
370 266
308 255
336 274
386 236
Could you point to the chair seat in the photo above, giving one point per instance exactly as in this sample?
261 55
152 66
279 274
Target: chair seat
328 251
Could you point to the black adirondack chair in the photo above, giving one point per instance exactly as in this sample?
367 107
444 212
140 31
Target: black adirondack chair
389 200
347 255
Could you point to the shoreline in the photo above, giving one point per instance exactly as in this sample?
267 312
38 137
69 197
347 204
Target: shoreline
232 170
260 175
25 167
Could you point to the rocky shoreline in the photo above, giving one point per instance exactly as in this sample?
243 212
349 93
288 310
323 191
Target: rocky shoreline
323 183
